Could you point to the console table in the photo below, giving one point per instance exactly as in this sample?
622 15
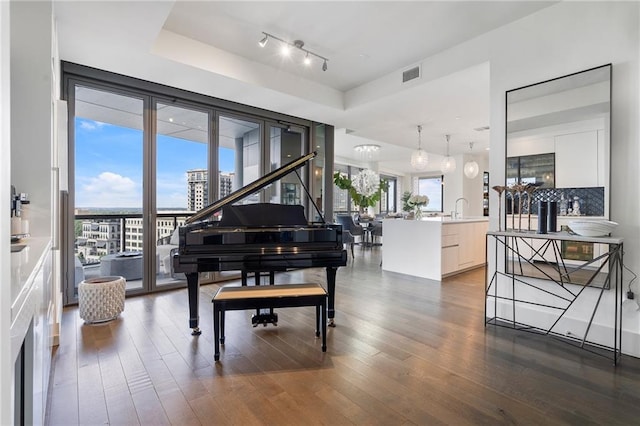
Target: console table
529 258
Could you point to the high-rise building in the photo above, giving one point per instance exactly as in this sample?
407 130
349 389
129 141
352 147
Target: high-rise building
225 180
197 189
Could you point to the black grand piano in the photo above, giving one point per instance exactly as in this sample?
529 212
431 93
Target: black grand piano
257 238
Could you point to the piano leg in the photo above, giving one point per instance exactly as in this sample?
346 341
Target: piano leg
194 296
331 289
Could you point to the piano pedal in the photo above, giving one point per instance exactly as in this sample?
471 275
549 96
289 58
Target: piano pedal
264 319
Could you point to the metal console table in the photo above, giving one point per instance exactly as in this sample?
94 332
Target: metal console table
529 256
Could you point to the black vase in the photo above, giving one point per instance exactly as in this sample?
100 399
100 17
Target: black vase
542 217
552 216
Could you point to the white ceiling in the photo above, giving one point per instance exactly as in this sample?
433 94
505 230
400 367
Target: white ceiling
367 43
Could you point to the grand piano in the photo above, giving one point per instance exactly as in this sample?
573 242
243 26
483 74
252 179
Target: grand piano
225 236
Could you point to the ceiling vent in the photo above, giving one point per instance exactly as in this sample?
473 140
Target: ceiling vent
481 129
411 74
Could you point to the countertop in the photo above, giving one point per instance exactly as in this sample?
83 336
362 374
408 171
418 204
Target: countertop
24 265
447 220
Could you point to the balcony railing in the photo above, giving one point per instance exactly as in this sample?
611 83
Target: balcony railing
89 254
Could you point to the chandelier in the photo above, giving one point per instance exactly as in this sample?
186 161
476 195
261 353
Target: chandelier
419 158
367 152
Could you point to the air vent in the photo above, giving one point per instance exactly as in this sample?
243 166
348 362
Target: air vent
481 129
411 74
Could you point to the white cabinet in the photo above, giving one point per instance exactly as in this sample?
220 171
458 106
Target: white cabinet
450 249
577 160
467 246
31 278
463 246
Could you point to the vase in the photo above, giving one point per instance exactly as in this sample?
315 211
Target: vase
417 214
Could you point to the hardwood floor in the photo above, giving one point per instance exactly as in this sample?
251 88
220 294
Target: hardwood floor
405 351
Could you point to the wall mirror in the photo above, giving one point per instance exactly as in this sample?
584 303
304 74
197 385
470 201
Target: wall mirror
558 138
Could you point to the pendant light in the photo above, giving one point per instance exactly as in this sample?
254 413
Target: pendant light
419 158
471 168
448 163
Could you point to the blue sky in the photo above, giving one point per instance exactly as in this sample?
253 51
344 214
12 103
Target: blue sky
432 188
108 166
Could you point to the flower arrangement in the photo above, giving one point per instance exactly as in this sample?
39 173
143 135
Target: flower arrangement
414 202
365 188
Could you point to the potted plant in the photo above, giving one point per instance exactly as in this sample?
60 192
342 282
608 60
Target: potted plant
365 188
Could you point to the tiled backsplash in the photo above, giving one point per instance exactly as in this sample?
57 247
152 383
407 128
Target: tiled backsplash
591 199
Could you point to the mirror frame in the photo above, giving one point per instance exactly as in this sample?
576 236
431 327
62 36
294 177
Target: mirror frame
550 87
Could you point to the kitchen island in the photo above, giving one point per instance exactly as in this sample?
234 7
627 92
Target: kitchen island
434 247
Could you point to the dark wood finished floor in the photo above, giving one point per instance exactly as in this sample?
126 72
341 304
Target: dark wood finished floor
405 351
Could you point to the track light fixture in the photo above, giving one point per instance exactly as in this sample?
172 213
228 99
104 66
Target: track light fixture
298 44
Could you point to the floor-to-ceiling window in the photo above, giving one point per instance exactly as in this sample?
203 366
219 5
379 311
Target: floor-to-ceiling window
144 157
388 197
240 150
108 185
181 177
432 188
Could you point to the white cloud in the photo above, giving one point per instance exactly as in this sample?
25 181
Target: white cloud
109 190
91 125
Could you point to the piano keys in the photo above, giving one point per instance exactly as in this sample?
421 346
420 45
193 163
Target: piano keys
257 238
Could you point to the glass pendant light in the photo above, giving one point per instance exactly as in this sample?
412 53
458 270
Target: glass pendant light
419 158
471 168
448 163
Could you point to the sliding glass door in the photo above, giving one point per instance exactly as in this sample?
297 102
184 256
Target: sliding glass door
108 229
182 139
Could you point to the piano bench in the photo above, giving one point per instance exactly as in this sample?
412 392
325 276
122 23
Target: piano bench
263 297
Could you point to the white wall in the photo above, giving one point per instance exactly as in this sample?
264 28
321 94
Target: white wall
6 366
32 111
559 40
28 138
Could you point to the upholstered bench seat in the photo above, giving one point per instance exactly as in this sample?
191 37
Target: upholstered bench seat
272 296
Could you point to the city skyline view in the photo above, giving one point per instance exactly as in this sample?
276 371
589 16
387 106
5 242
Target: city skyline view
109 168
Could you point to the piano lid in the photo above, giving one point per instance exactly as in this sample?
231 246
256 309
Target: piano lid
251 188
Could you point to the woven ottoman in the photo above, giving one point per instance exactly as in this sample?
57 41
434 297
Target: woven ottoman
101 299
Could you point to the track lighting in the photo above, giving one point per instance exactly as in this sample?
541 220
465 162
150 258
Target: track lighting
298 44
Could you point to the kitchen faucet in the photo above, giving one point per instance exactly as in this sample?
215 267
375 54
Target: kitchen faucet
455 213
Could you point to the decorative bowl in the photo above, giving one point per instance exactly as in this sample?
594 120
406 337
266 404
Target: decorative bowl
592 228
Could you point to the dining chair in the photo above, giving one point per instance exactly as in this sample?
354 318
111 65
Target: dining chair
350 229
376 231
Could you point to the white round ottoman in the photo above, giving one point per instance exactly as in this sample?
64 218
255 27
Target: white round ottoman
101 299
